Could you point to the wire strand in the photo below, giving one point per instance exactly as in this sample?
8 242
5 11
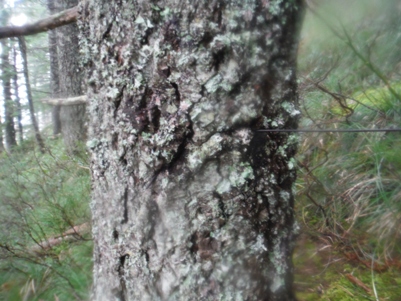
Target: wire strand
331 130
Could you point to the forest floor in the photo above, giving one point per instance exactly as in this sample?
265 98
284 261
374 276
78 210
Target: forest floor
325 272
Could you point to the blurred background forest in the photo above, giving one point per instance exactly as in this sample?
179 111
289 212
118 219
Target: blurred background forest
349 184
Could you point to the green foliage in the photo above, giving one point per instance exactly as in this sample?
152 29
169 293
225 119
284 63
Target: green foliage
386 286
321 274
353 177
42 197
349 184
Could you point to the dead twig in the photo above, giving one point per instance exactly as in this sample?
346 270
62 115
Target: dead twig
359 283
69 235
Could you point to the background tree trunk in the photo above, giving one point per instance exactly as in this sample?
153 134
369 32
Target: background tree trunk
1 137
16 95
73 118
3 17
38 137
190 202
6 76
54 71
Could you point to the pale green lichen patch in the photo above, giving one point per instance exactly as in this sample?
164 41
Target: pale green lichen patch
275 7
291 164
223 187
92 143
249 109
278 282
289 107
145 22
240 174
259 245
207 150
285 196
214 83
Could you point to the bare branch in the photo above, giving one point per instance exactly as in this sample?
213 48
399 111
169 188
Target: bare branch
359 283
66 101
72 234
63 18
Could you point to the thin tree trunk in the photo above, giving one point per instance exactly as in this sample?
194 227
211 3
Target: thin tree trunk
17 98
189 200
39 140
73 118
54 71
8 102
1 137
3 20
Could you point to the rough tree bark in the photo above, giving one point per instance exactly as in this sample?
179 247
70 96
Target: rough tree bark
190 201
38 136
73 118
54 71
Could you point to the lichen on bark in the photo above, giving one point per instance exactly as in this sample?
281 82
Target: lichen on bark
189 201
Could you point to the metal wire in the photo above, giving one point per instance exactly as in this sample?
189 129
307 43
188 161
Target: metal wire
331 130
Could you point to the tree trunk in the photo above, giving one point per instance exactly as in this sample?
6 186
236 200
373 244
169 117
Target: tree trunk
17 98
38 137
190 201
54 71
1 137
6 76
3 18
73 118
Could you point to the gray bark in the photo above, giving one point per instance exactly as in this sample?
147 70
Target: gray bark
54 71
73 118
189 201
56 120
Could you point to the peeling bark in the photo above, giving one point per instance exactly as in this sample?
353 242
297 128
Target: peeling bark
189 202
